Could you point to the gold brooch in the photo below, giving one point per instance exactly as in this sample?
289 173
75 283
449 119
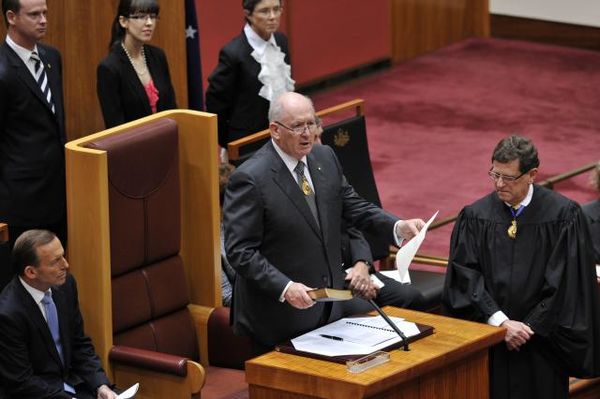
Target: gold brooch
512 230
306 187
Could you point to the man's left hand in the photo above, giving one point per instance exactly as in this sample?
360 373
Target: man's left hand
360 281
104 392
407 229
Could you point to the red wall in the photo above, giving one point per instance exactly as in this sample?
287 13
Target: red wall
325 36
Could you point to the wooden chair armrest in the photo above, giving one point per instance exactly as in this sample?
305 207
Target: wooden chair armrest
200 315
150 360
3 232
154 384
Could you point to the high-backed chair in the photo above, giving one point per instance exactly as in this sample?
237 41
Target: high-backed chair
144 226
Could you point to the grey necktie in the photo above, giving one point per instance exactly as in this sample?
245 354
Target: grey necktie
42 79
308 192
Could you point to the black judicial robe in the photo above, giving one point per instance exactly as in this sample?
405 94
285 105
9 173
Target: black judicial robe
545 278
592 211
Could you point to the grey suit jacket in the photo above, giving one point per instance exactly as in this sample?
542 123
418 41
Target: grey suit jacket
271 238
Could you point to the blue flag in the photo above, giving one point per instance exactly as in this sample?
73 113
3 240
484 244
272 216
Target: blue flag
194 66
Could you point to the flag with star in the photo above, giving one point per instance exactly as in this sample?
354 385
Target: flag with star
194 66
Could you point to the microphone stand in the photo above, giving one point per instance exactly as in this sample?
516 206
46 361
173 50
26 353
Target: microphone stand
391 323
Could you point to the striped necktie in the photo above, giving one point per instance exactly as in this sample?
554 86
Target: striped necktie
42 79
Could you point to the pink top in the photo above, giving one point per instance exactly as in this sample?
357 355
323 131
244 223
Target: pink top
152 93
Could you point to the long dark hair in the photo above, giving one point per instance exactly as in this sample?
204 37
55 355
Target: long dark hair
127 8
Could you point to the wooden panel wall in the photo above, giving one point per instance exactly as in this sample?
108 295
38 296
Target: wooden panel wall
421 26
81 31
535 30
325 37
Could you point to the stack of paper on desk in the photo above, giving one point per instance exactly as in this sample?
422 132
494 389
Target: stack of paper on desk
406 254
353 336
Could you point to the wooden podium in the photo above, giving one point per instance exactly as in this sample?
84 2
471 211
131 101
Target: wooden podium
451 363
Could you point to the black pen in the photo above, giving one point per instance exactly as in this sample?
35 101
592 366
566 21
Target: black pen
332 337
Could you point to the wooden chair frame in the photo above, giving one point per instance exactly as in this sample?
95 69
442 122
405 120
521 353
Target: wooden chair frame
89 246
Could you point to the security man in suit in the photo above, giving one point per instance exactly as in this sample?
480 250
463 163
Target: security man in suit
283 215
32 132
44 352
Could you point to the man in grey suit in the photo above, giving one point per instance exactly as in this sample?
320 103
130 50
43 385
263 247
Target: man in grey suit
283 215
32 133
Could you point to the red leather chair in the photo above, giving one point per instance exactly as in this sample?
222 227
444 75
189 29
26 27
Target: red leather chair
148 320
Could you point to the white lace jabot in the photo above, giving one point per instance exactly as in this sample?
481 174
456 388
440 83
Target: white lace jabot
275 74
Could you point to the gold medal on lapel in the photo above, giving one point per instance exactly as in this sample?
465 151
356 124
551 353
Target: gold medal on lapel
306 187
512 230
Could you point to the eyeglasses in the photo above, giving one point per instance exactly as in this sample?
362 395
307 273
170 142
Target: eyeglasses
144 17
506 179
298 130
266 12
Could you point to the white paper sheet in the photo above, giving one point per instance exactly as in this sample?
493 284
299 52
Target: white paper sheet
359 335
597 270
406 254
130 392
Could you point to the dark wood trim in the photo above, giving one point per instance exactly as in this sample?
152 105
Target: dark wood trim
535 30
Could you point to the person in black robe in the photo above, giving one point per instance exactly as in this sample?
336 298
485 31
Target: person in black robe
592 211
519 259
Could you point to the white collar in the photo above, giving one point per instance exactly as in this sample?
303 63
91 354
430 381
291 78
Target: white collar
527 198
36 294
290 161
21 51
256 42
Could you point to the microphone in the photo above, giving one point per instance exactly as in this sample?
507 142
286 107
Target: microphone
391 323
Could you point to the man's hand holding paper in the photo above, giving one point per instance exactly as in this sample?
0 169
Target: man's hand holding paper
407 229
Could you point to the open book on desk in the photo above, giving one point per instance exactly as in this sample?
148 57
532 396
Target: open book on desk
352 337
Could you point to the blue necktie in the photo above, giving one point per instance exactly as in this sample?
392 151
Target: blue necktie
52 320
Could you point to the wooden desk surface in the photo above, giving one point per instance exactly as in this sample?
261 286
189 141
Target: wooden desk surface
452 341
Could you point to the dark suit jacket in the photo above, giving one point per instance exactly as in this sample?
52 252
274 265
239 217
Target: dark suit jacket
271 238
233 89
32 175
121 93
30 366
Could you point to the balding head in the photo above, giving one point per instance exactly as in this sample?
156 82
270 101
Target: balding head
292 124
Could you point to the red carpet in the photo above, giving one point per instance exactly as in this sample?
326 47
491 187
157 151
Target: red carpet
433 122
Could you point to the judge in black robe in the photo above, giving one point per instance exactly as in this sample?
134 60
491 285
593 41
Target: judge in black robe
543 278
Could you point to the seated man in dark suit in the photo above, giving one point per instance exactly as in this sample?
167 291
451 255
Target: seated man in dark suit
358 261
43 350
